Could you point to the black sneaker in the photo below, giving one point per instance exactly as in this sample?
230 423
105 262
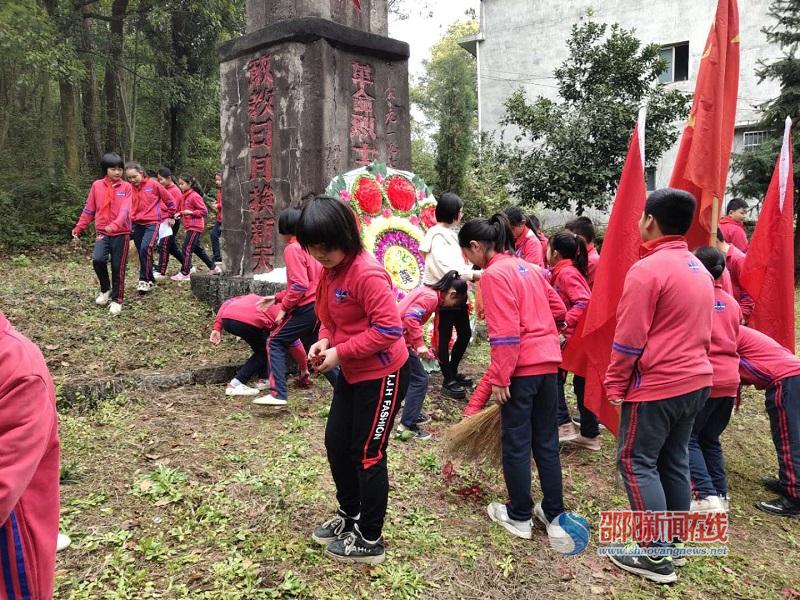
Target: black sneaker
416 432
454 390
352 547
781 506
331 529
773 485
660 570
422 419
464 380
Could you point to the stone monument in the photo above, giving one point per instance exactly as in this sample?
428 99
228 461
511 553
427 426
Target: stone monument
313 89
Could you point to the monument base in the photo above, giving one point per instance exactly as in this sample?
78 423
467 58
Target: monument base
213 290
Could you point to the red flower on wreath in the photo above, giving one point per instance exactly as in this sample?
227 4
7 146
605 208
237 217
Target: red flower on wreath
369 196
402 195
428 216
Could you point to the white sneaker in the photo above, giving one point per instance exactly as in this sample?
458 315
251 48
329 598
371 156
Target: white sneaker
115 308
216 271
560 540
726 502
499 514
151 285
63 542
711 504
262 384
194 270
103 299
158 276
270 400
180 277
142 287
240 390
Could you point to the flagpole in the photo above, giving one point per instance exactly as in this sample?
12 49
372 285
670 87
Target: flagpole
712 240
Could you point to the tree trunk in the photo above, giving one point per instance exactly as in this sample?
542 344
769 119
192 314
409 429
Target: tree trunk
91 100
69 122
114 116
47 128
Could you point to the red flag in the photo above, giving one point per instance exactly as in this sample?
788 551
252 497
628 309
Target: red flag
768 272
701 166
590 345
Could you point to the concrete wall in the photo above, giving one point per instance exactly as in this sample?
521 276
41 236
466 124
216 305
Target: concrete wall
525 40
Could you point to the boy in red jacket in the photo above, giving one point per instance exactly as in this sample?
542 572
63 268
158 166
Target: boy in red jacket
29 469
732 224
734 261
659 370
151 205
769 366
109 206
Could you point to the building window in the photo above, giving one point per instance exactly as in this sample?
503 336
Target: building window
650 178
753 139
676 58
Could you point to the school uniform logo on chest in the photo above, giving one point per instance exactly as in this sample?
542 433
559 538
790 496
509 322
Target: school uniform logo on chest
149 190
720 306
341 294
522 270
695 266
121 194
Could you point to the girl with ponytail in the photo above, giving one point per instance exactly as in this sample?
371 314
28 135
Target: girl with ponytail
706 465
568 259
193 211
527 245
523 375
450 292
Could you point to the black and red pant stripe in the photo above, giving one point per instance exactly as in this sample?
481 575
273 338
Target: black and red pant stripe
783 407
360 423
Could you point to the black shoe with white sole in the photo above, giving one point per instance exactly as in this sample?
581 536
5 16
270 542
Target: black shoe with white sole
773 485
352 547
464 380
780 506
331 529
454 390
422 419
661 570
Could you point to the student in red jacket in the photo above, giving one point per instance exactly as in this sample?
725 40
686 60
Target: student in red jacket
527 245
242 317
584 227
568 258
216 231
523 373
734 261
296 318
29 469
168 245
659 370
709 481
415 310
193 211
151 204
361 332
769 366
536 226
109 206
732 224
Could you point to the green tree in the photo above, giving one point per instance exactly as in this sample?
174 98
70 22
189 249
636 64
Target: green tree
447 96
753 168
570 152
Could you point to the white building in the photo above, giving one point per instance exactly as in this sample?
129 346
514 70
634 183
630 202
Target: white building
521 42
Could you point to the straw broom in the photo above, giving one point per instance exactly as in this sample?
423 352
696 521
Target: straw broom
477 438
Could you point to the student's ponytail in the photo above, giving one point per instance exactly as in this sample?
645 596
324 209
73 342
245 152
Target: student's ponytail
452 281
504 238
572 247
713 260
494 233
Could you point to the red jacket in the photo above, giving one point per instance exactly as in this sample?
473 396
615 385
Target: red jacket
302 277
573 290
362 320
733 233
522 333
192 201
219 206
663 333
177 196
151 203
594 260
109 206
724 335
245 310
735 262
543 239
529 247
763 362
415 310
29 469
